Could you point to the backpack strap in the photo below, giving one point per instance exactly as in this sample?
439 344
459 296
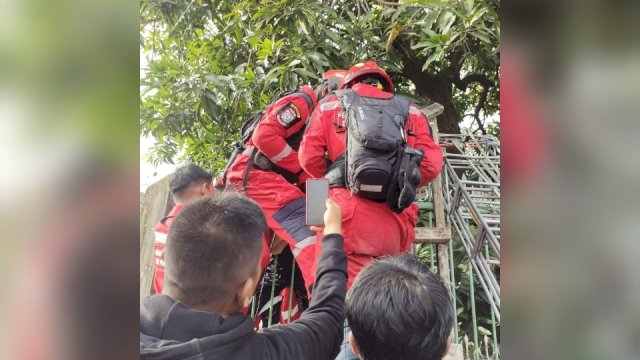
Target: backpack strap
307 99
164 219
249 126
346 98
305 96
404 104
335 173
245 177
237 149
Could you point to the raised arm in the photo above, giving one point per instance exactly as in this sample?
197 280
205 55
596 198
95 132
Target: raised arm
419 137
319 331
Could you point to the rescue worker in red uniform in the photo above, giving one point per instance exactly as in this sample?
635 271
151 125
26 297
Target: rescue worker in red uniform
269 172
189 182
371 229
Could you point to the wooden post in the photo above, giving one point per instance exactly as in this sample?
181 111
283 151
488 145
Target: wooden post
155 204
431 112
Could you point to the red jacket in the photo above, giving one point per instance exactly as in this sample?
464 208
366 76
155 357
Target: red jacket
158 247
283 118
370 228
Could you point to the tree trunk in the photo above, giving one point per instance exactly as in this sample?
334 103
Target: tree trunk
437 88
443 94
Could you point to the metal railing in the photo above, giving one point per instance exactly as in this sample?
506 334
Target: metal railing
471 186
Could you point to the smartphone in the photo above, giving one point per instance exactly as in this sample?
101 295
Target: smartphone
316 196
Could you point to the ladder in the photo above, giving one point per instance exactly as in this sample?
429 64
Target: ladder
471 188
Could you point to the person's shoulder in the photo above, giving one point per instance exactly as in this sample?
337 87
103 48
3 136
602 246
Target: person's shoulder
415 110
329 102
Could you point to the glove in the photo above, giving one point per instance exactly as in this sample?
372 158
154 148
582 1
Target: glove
408 179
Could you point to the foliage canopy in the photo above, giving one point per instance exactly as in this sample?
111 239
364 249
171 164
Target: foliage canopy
211 63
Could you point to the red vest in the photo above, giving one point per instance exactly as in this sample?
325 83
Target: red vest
158 247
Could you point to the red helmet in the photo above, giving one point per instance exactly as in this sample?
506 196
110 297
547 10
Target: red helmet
369 67
334 78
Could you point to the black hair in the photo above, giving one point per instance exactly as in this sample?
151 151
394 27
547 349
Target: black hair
398 309
372 79
186 176
214 244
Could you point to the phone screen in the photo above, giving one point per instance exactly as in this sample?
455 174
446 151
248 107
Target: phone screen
317 193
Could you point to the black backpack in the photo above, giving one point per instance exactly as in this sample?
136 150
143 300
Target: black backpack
378 164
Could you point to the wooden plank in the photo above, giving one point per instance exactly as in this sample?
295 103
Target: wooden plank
433 235
433 110
155 204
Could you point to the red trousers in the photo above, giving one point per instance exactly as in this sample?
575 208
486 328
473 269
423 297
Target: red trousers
284 208
371 230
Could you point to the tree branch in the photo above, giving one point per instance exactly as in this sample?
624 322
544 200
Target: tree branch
390 3
483 80
412 67
456 59
476 113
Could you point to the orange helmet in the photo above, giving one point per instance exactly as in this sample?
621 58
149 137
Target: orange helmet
334 78
369 67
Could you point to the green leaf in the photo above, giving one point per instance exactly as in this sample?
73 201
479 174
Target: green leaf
424 44
440 38
250 75
481 36
448 24
214 79
399 10
232 85
303 27
430 59
333 35
478 15
305 73
429 32
264 53
294 63
430 19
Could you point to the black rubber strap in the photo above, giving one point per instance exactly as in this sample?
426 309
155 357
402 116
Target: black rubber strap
245 178
234 155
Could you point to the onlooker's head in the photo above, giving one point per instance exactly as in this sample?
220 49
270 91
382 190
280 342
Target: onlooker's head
398 309
368 73
213 253
190 182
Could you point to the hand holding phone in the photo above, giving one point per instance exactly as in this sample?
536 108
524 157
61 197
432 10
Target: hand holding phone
332 219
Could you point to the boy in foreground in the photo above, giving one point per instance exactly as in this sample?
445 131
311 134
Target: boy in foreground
212 268
398 309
